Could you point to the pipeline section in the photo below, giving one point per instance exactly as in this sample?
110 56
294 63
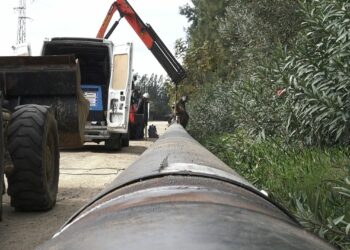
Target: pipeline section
178 195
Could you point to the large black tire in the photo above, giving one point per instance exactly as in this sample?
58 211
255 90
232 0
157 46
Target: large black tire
33 146
125 140
114 143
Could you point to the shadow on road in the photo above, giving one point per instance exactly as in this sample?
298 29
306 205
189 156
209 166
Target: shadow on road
136 150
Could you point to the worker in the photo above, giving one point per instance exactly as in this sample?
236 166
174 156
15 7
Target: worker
181 113
135 96
142 109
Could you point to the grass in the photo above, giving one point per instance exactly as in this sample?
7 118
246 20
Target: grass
309 181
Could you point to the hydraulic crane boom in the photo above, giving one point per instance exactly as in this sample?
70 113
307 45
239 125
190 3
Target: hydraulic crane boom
149 37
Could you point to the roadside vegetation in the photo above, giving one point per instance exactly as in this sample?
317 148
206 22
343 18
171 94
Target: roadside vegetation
269 87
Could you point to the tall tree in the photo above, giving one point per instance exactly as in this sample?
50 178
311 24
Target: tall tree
205 51
227 42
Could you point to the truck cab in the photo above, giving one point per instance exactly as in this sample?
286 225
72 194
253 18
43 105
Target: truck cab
106 81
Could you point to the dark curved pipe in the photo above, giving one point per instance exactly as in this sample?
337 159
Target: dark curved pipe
178 195
2 151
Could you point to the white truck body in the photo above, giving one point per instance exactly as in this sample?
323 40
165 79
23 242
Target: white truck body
106 81
119 96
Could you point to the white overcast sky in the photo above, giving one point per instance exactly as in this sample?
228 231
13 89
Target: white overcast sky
79 18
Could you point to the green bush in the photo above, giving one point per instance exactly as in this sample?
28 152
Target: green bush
239 90
309 182
316 109
252 105
318 72
211 110
252 29
226 38
291 143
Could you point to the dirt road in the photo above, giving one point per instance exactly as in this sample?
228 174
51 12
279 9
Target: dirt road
83 173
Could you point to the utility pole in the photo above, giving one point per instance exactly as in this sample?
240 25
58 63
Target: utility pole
22 20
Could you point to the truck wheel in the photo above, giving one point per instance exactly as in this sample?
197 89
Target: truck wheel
125 140
114 142
33 146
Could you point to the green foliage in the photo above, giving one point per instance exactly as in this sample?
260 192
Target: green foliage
317 109
234 75
252 105
271 78
251 30
318 74
257 107
227 37
309 182
204 16
205 53
156 86
211 110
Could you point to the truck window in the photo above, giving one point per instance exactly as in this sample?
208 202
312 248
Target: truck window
120 71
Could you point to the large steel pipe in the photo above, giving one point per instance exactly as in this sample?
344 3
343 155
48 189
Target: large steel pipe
178 195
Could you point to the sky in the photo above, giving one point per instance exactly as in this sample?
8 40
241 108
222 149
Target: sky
78 18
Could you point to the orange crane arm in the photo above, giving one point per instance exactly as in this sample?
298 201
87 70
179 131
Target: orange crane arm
147 35
107 20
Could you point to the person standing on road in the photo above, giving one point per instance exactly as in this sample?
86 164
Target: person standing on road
135 97
142 108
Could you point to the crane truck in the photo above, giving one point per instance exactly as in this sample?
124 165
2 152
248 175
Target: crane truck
78 90
106 73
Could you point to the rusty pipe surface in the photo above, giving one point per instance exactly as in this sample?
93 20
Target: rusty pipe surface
178 195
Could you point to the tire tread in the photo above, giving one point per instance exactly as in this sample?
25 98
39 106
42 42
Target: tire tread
27 186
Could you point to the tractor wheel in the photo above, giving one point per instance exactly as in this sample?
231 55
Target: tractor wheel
125 140
114 142
33 146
